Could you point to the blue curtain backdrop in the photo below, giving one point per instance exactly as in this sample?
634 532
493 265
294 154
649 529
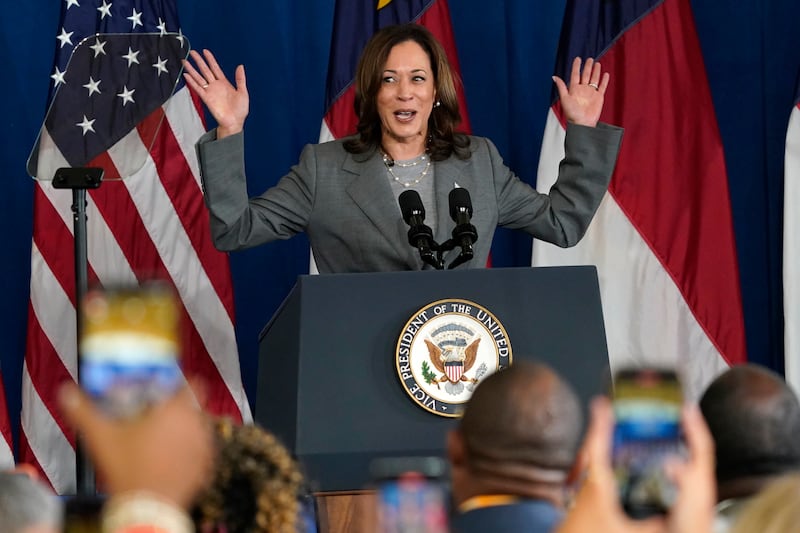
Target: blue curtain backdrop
507 51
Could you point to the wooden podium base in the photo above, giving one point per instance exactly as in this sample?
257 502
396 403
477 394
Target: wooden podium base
347 511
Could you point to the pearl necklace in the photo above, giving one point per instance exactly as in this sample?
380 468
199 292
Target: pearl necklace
389 162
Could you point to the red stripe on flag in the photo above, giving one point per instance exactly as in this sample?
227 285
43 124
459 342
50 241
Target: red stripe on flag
682 209
29 457
119 211
47 372
187 200
51 242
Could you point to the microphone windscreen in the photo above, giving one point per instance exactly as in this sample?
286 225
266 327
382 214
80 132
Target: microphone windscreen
411 204
459 199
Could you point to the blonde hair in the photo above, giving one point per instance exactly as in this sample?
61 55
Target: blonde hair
776 509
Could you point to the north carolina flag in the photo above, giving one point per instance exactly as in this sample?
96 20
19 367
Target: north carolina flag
112 109
791 247
663 238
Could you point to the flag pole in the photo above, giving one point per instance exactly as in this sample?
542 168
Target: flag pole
79 179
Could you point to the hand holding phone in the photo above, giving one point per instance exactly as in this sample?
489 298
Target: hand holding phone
647 434
596 506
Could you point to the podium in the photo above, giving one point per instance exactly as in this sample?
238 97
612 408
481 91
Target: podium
327 378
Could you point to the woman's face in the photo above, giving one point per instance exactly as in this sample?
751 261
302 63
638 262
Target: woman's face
407 92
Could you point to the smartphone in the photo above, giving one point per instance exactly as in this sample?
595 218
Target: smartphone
129 346
647 405
411 494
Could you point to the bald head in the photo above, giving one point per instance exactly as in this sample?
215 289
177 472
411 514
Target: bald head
754 418
524 416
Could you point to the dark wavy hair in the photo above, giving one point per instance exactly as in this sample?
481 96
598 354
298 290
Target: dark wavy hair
443 140
256 483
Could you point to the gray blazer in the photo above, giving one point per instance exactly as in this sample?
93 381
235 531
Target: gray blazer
346 206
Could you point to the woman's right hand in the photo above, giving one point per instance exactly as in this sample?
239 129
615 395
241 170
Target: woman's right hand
229 105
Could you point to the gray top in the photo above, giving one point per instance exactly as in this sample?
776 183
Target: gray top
403 178
346 206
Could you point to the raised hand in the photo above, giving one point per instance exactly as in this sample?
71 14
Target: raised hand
582 101
597 506
228 105
167 451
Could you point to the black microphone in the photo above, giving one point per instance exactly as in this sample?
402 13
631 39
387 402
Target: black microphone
464 234
420 236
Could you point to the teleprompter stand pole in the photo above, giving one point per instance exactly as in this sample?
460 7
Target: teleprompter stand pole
79 180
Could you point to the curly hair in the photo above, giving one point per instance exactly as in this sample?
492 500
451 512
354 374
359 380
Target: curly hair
443 140
256 483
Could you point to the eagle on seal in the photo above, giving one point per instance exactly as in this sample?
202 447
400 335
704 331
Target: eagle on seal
453 361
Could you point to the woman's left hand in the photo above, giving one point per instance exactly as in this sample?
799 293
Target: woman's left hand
582 101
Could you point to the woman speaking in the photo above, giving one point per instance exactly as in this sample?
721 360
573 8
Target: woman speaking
344 193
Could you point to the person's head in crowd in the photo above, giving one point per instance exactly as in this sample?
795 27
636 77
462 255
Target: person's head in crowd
404 69
255 486
27 505
754 417
518 436
774 510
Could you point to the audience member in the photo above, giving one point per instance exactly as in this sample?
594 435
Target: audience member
597 506
512 451
773 510
255 487
754 418
27 506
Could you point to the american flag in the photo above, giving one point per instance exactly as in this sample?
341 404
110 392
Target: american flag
111 108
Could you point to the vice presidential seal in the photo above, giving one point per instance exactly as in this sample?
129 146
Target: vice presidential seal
445 349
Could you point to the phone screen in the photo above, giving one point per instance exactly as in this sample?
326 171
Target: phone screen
647 405
411 495
129 347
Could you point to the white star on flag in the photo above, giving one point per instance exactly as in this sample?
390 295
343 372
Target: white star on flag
126 95
86 125
160 65
98 47
136 19
58 76
65 38
71 3
93 86
132 57
162 27
105 10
